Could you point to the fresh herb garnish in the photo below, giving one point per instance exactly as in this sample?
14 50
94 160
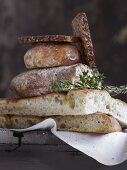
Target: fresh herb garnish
116 90
90 79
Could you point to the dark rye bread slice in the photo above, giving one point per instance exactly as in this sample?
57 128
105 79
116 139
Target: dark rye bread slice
46 55
39 81
81 28
49 38
92 123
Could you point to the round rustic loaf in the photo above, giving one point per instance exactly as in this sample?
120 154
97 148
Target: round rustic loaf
51 55
39 81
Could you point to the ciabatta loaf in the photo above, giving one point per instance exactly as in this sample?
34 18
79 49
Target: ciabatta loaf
51 55
75 102
92 123
39 81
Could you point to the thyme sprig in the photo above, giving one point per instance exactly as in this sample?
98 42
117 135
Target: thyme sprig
116 90
88 81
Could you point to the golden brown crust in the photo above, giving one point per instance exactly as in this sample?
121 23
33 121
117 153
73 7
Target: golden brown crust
48 38
47 55
92 123
81 29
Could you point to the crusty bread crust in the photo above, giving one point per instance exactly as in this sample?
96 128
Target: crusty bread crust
51 55
93 123
48 38
39 81
74 102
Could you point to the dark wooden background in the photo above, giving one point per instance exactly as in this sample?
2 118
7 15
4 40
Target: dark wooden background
108 25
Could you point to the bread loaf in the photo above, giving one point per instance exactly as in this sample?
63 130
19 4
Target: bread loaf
51 55
92 123
75 102
39 81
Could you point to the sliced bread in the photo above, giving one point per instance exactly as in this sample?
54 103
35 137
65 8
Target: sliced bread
81 28
48 38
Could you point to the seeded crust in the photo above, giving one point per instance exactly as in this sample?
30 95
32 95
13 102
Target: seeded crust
81 28
49 38
93 123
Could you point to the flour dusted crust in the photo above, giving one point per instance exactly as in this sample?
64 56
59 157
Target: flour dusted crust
39 81
46 55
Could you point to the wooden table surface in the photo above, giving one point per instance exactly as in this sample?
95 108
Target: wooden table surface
45 151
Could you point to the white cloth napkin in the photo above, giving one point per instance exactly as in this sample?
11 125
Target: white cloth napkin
108 149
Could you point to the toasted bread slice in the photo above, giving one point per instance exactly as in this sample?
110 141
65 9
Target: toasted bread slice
81 28
48 38
93 123
51 55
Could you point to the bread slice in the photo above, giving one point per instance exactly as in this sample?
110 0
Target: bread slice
75 102
51 55
93 123
48 38
39 81
81 28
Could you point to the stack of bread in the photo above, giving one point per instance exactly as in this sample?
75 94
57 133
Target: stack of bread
61 58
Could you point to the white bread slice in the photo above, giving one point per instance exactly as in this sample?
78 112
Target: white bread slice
75 102
92 123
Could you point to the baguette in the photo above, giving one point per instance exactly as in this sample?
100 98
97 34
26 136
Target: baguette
93 123
39 81
75 102
51 55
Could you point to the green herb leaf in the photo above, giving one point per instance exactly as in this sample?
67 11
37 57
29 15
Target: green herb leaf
116 90
89 81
